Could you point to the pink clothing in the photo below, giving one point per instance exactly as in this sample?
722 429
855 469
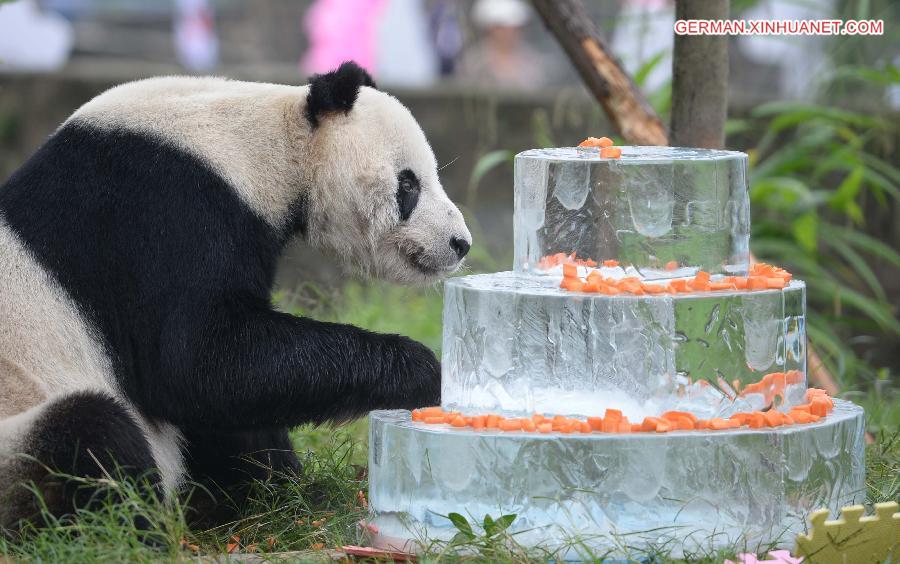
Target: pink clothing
339 31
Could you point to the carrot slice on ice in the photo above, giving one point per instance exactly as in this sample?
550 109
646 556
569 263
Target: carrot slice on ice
610 152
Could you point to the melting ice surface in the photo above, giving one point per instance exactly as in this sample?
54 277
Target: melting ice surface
684 490
516 343
655 206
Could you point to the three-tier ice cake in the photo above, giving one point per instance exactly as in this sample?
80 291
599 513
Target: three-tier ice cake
633 380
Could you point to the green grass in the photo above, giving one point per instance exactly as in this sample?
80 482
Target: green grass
321 506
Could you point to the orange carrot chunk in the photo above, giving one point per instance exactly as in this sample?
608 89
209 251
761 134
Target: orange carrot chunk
610 152
510 425
570 270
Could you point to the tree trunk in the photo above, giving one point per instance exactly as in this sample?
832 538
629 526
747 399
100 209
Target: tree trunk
699 79
624 104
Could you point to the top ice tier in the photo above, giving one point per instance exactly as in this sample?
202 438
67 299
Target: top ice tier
666 211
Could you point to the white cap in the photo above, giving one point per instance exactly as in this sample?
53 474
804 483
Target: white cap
505 13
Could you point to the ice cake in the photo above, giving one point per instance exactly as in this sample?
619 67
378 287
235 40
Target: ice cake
634 376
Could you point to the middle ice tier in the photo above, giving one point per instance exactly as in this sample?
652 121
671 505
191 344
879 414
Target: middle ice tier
517 344
666 211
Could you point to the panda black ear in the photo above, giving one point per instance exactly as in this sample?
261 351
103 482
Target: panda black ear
335 91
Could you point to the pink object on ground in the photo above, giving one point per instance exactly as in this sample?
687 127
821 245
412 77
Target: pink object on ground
775 557
339 31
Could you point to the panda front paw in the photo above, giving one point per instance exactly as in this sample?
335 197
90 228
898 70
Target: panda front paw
417 374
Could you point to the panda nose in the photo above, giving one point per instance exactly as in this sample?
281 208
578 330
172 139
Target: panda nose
459 246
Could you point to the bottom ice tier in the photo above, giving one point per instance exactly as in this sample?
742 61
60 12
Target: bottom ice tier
684 490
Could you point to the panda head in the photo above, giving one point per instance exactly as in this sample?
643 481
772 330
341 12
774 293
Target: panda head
375 199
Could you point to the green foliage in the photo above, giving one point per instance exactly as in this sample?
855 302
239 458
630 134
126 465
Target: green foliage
819 176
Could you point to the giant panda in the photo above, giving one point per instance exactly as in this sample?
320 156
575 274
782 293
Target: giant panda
138 247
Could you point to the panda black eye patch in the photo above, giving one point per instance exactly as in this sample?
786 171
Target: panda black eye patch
407 193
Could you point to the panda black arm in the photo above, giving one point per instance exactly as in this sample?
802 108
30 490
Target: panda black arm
247 366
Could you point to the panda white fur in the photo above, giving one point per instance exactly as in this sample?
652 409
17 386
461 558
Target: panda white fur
137 253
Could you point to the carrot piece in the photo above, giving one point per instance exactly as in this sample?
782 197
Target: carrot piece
613 414
590 142
611 263
585 427
596 423
572 284
434 410
702 277
757 283
478 422
610 425
671 265
653 288
636 428
663 427
610 291
605 142
528 425
680 285
773 418
545 427
510 425
741 417
610 152
624 426
684 424
458 422
434 419
740 282
775 283
717 424
677 414
538 418
757 420
801 416
591 286
701 424
566 428
819 406
649 424
570 270
718 286
787 419
417 415
492 421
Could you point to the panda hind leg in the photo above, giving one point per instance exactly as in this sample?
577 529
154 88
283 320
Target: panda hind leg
83 435
227 464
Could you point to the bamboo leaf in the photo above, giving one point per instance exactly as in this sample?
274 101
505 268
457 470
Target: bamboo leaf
870 245
856 262
847 192
805 230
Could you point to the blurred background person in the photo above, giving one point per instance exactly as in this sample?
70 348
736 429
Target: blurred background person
195 35
341 30
31 39
501 57
406 58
